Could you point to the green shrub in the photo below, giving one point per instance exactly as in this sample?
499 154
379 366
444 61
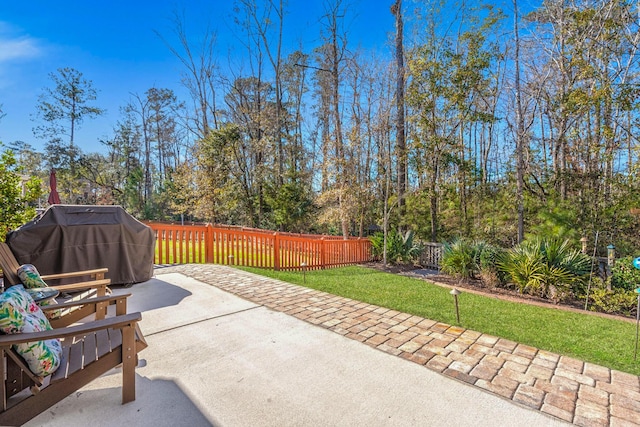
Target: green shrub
411 250
15 203
523 265
624 275
399 248
465 260
615 301
377 244
546 267
489 257
459 259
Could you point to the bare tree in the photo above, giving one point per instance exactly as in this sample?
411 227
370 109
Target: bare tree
334 50
140 106
199 77
262 21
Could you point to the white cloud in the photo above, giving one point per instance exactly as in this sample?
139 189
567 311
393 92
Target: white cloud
14 47
21 48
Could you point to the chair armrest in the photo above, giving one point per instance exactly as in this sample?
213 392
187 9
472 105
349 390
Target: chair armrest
110 299
117 322
85 309
82 285
93 273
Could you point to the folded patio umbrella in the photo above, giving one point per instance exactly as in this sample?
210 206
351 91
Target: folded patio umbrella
54 197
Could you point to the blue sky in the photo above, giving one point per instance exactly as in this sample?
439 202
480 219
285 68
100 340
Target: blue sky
114 44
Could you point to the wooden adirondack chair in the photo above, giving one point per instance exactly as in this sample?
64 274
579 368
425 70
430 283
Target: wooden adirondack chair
97 282
19 379
89 350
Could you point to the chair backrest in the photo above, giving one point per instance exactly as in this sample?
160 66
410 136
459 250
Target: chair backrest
9 265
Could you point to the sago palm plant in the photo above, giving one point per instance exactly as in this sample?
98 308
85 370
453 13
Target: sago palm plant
466 259
546 267
399 248
459 259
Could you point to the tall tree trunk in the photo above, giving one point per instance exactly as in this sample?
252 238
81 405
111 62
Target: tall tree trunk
401 145
433 209
519 129
335 98
463 182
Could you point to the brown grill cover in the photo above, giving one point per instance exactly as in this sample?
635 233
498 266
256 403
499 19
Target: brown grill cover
73 237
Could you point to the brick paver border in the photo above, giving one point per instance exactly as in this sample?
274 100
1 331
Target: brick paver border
569 389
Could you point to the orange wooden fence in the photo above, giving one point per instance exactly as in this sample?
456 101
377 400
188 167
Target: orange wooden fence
182 244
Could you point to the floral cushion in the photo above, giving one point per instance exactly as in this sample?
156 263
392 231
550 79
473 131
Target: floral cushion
30 277
19 313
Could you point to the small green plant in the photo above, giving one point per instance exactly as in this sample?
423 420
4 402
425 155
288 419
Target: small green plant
624 275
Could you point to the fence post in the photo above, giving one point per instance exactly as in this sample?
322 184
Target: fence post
322 253
159 245
276 252
208 244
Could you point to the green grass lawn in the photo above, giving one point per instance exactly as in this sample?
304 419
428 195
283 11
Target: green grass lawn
603 341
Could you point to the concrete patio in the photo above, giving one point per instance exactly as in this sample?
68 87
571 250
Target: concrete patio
228 348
